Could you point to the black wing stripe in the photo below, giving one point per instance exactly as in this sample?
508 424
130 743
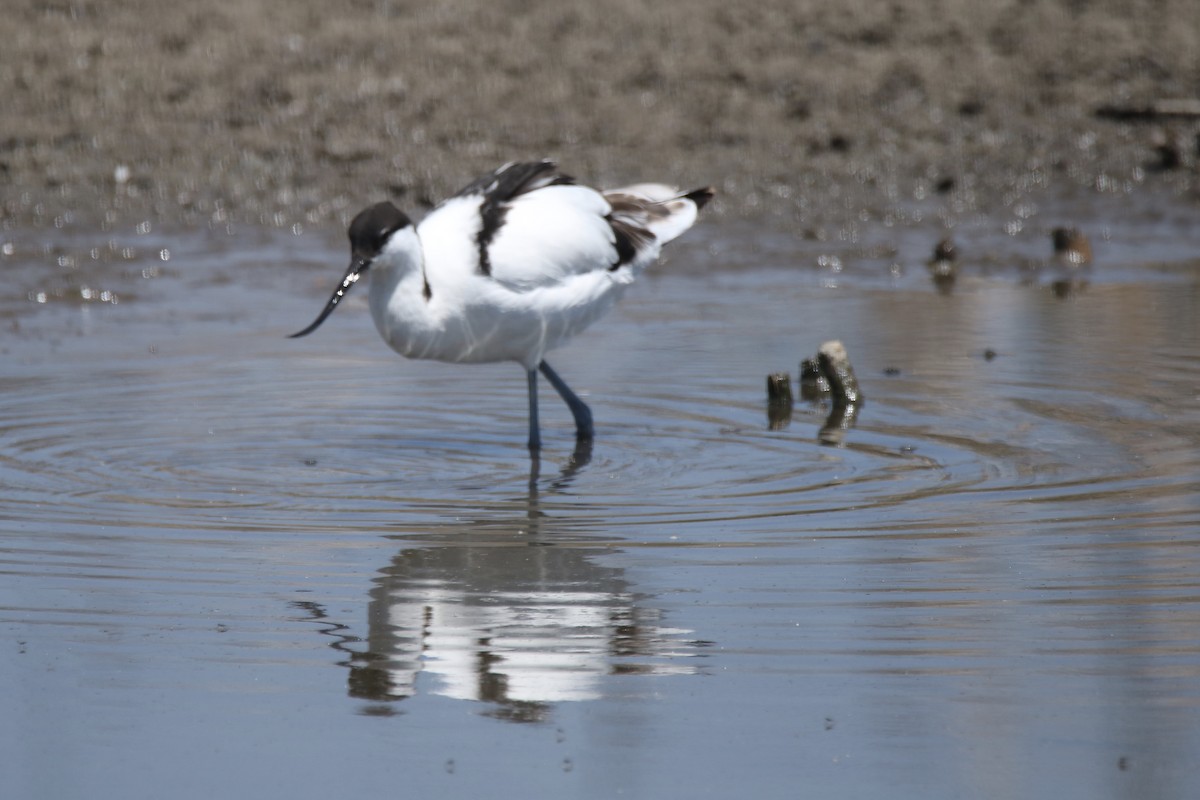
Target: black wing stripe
628 219
630 240
499 188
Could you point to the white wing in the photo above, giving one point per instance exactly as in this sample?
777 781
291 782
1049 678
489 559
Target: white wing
553 233
527 226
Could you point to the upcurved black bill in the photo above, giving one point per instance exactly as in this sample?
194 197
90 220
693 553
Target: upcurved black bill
357 266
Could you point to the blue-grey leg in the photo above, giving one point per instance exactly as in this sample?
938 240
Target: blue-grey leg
579 409
535 434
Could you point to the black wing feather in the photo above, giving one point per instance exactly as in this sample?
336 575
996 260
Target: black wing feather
500 187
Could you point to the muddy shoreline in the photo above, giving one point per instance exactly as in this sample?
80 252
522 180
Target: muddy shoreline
299 112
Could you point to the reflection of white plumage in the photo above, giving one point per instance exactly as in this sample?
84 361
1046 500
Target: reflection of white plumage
515 264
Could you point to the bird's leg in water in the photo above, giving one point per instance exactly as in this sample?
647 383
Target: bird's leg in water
579 409
535 434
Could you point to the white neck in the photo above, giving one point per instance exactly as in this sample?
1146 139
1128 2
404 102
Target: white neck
397 293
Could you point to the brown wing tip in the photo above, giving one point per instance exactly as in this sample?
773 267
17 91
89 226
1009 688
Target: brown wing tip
701 196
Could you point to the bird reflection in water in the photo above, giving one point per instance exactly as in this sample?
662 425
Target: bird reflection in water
516 613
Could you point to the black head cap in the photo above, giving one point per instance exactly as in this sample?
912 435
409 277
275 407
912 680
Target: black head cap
371 228
369 234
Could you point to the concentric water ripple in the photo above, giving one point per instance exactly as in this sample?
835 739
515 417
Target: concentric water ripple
198 414
210 530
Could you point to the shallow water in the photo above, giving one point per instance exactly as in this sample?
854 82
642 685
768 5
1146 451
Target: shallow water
235 563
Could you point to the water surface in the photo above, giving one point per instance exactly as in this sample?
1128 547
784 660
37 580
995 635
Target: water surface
235 563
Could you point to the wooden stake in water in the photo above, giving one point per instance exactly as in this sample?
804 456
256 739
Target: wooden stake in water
835 368
779 400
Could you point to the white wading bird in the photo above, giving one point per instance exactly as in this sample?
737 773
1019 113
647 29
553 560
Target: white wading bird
515 264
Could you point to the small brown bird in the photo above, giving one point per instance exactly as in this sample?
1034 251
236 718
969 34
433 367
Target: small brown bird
943 267
1071 247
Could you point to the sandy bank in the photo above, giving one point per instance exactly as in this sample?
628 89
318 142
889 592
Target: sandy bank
302 110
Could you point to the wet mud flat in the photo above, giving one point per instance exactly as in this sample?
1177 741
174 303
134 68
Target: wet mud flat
302 112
